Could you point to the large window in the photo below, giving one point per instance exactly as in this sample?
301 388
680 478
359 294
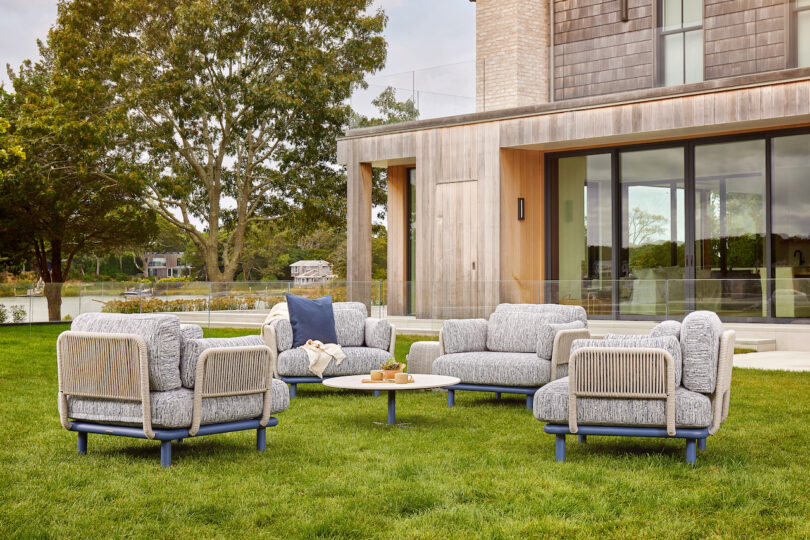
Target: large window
652 231
663 229
410 270
681 42
801 32
584 236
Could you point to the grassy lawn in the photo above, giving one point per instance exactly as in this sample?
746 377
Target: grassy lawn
482 469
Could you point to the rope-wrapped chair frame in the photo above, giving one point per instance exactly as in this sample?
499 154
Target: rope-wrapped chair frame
115 367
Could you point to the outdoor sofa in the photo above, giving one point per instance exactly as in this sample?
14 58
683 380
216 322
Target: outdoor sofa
519 349
674 383
147 376
366 341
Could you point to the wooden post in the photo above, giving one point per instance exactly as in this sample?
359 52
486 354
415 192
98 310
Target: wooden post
358 230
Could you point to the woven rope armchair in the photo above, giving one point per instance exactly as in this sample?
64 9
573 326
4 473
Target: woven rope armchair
624 386
104 388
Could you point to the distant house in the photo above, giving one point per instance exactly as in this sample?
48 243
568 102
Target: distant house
305 272
162 265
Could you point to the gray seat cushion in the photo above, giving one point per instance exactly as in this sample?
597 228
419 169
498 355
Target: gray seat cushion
667 343
195 347
551 405
497 368
172 409
358 361
464 335
161 332
700 340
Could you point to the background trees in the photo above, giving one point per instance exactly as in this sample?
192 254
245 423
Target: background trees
74 192
235 104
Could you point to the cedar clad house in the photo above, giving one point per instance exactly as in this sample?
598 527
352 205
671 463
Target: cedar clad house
641 158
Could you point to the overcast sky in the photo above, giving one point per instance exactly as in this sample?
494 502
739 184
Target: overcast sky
421 34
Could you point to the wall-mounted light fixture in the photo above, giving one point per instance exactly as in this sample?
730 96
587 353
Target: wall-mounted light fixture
521 208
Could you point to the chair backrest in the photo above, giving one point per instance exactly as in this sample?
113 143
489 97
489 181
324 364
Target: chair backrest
350 323
557 313
160 332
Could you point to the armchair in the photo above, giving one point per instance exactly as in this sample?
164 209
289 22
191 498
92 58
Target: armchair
120 375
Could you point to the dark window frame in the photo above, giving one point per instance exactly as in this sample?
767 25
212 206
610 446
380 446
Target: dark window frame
689 145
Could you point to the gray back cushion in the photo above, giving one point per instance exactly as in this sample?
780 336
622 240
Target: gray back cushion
378 333
546 334
667 343
464 335
161 332
556 313
357 306
515 331
350 327
700 341
195 347
667 328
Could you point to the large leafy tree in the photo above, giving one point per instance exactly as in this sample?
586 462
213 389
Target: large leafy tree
235 105
74 193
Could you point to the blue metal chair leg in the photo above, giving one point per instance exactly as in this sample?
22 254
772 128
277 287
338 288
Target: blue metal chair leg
376 393
261 439
293 388
451 398
81 445
559 450
702 444
530 401
691 451
165 453
392 407
582 438
497 395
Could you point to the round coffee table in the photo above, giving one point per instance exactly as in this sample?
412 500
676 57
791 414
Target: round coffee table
420 382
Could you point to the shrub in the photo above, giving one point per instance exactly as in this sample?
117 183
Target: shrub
3 313
18 314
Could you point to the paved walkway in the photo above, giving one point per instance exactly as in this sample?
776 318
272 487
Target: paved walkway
774 360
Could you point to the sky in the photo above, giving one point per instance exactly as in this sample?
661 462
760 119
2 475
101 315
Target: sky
421 34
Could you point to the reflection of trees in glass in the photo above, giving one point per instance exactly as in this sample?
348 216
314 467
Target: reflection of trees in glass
644 226
655 256
738 239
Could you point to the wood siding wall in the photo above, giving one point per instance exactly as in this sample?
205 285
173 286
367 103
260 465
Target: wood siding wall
596 53
743 37
397 239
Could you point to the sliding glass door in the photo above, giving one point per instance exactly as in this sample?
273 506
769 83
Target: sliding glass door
729 200
653 233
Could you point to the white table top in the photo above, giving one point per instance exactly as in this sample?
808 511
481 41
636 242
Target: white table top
420 382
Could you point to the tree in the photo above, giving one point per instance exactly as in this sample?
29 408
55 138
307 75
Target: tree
73 193
391 111
645 226
235 104
11 152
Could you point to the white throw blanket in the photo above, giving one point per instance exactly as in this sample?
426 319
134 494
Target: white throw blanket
319 354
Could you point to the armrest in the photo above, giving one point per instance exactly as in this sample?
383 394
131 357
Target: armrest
269 337
621 373
561 350
104 366
232 371
379 333
722 391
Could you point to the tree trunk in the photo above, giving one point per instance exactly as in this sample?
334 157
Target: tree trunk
98 266
53 293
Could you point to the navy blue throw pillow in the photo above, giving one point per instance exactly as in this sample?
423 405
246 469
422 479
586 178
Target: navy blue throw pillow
311 319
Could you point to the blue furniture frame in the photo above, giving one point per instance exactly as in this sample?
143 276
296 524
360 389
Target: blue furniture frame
295 381
695 437
166 436
498 390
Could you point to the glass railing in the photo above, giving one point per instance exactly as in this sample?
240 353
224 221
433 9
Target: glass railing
577 66
246 303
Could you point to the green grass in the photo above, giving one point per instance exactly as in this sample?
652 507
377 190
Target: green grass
482 469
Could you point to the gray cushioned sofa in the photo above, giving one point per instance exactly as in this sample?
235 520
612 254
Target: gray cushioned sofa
366 341
519 349
674 383
148 376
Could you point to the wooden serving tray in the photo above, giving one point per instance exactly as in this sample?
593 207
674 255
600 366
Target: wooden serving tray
392 381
